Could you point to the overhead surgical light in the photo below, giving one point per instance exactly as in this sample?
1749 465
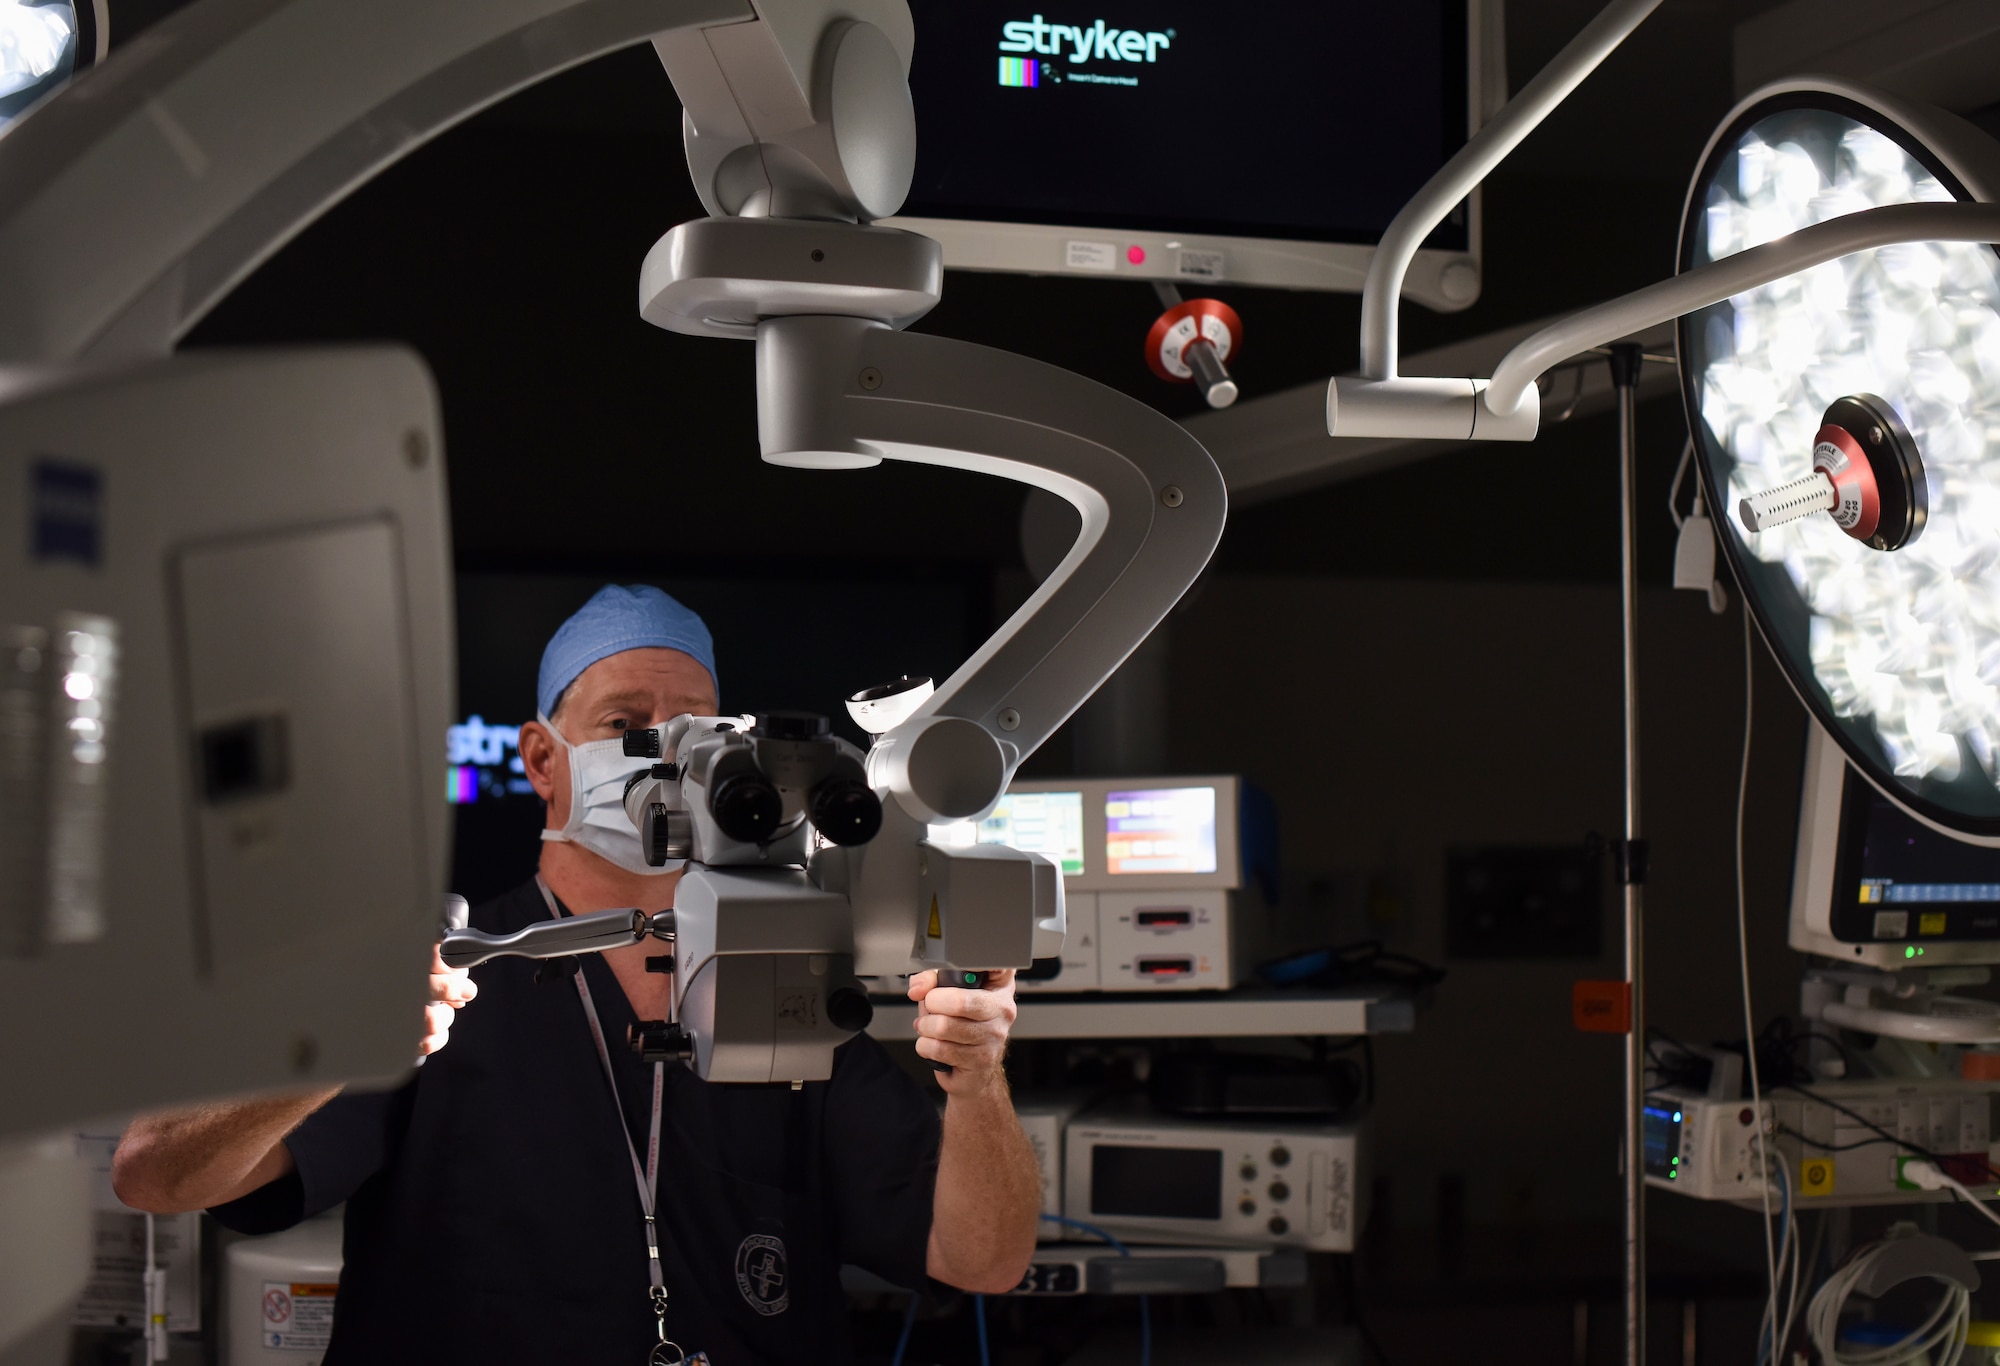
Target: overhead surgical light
1838 303
1849 416
34 41
41 46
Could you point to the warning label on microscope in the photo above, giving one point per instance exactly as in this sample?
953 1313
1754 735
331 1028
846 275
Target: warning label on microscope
298 1317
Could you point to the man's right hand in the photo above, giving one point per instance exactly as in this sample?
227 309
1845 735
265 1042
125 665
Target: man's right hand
451 989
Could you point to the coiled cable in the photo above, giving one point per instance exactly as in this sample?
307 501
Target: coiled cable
1943 1332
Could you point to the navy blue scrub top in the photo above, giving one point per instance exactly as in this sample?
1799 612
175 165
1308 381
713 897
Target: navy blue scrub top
491 1215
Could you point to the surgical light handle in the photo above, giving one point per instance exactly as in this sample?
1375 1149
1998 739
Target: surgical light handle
1459 176
1790 502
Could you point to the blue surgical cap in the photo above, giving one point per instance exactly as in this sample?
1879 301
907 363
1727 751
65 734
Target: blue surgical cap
617 619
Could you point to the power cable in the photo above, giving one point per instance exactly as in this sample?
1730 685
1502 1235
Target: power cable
1743 959
903 1338
1674 493
1145 1307
1944 1329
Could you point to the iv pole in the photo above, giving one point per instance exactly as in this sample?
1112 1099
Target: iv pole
1626 358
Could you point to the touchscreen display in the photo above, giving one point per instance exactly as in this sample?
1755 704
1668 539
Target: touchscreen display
1047 823
1660 1135
1899 879
1160 830
1312 120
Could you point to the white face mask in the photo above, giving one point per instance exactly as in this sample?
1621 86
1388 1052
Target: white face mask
597 821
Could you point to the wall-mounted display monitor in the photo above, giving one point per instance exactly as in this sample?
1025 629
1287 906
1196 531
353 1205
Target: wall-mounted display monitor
483 760
1178 139
1874 885
1124 834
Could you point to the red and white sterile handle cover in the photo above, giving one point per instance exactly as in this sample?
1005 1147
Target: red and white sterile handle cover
1838 457
1842 483
1209 320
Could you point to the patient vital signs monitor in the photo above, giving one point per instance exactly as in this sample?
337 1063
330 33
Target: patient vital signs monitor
1872 885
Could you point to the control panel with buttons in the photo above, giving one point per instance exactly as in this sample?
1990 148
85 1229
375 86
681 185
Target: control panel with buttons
1141 1175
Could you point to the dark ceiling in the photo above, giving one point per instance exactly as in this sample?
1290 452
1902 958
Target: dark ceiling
507 253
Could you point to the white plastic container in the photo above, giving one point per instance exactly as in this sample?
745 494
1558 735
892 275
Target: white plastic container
277 1295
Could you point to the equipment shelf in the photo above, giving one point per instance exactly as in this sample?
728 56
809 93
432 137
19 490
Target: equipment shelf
1208 1015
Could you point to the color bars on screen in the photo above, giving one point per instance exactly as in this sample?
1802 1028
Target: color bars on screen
1019 71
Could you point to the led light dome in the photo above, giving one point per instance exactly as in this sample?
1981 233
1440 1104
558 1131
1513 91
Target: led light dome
42 43
1895 651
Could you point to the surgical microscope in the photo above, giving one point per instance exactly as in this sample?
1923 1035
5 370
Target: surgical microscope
227 613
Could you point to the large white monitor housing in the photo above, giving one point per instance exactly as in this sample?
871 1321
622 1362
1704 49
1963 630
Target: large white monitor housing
1873 887
1185 140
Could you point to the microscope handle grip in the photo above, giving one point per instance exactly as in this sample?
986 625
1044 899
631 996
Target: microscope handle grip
593 933
970 981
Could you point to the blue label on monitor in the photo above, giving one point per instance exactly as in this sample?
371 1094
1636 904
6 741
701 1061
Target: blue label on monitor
66 512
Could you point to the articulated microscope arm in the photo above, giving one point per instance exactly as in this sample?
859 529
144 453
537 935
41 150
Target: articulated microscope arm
144 192
838 390
139 196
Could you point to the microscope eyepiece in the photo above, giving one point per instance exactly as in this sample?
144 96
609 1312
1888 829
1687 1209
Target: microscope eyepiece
846 810
792 725
744 802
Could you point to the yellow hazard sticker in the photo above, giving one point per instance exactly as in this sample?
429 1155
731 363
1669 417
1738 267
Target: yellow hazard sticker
937 929
1931 922
1816 1176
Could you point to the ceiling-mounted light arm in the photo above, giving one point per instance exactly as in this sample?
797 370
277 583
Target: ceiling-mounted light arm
139 196
1507 407
1473 162
1514 378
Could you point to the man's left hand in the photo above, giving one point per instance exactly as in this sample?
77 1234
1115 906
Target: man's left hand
965 1028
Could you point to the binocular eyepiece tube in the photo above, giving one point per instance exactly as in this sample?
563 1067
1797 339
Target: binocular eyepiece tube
749 786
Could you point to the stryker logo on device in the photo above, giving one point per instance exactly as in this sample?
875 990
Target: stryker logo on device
1083 44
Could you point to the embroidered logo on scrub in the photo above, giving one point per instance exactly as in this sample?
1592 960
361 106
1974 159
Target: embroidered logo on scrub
760 1273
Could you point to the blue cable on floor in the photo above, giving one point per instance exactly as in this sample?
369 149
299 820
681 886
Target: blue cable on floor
1145 1309
979 1317
1092 1229
903 1340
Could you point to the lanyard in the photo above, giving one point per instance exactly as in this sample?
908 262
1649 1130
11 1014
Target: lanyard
646 1176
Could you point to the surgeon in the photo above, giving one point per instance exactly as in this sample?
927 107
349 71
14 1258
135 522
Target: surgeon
505 1204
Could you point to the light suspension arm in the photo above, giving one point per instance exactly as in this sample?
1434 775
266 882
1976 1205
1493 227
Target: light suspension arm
1459 176
1696 289
1507 407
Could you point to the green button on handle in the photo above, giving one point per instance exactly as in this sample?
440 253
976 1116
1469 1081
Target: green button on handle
970 981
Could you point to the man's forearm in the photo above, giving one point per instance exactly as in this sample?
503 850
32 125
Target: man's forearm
191 1159
989 1193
